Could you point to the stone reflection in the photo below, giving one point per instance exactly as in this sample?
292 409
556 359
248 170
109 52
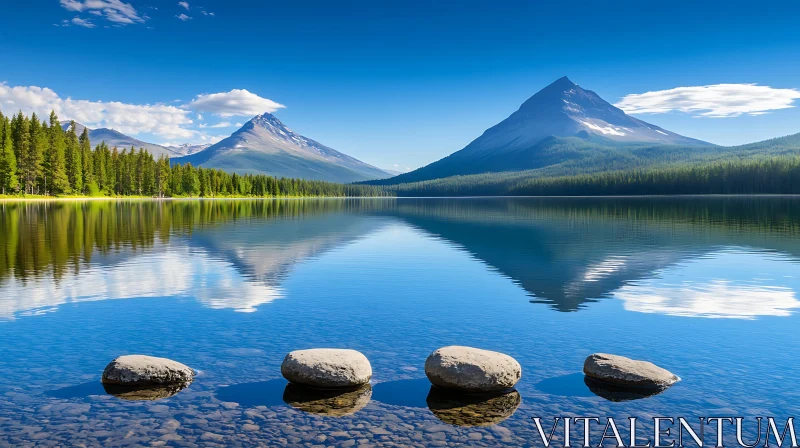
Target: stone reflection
330 402
148 393
618 394
458 408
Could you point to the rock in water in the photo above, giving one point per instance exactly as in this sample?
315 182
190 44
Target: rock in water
141 370
626 372
472 369
327 368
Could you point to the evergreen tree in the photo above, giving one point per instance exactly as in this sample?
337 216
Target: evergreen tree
8 162
20 134
87 168
73 156
56 179
31 166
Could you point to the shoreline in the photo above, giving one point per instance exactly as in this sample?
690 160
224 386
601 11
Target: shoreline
245 198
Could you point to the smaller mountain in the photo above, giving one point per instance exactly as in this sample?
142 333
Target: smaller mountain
121 141
188 148
264 145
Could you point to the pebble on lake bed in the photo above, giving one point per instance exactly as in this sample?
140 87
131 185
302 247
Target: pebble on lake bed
327 368
472 369
141 370
625 372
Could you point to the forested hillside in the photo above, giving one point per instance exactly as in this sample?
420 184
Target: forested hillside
766 175
566 156
40 158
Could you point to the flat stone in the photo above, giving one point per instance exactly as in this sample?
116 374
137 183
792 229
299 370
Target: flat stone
141 370
626 372
472 369
327 368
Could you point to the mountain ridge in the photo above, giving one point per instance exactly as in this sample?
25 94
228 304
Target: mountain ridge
114 138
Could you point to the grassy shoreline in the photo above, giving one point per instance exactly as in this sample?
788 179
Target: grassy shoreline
42 198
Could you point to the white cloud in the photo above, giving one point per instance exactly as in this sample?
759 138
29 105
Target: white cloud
184 4
237 102
115 11
716 101
159 119
183 17
167 121
81 22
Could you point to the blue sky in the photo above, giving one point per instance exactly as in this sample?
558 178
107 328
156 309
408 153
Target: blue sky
395 83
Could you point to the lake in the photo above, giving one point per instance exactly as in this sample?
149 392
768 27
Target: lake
705 287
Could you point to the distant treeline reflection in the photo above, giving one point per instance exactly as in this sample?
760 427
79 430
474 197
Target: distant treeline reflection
43 237
38 238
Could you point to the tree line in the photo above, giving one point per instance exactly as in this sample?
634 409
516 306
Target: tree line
767 175
39 157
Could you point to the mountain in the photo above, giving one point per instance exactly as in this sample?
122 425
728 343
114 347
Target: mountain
121 141
187 148
560 122
264 145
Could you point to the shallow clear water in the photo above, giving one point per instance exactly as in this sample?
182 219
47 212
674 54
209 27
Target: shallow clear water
707 288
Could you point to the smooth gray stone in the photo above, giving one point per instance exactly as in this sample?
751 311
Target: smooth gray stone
472 369
626 372
327 368
141 370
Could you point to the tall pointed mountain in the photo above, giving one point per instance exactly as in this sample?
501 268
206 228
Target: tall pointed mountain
121 141
264 145
560 122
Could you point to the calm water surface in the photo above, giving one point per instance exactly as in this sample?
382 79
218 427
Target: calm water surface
707 288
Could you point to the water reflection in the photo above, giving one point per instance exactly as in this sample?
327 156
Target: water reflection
226 255
215 283
457 408
330 402
734 284
94 388
568 253
619 394
563 253
148 393
452 407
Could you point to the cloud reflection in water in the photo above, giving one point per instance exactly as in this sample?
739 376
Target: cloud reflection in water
732 284
215 283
